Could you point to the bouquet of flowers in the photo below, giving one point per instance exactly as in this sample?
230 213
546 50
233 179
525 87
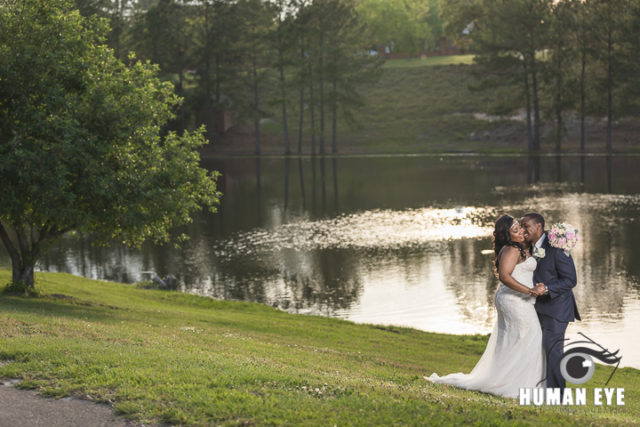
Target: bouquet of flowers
563 236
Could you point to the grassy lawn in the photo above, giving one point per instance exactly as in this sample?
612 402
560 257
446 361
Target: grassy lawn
183 359
423 105
417 105
429 61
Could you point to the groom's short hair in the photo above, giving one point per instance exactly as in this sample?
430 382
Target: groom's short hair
536 217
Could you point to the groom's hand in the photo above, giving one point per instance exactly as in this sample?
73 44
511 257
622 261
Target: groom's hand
539 289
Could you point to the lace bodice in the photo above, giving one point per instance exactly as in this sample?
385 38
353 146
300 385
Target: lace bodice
523 273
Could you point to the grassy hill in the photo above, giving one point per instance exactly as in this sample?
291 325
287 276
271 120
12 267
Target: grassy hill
426 105
189 360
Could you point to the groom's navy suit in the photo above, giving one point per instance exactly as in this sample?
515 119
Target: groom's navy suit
557 271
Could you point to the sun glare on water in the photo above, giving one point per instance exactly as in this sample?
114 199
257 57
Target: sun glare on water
379 229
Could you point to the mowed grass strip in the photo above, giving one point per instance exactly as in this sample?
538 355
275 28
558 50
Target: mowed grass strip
160 356
429 61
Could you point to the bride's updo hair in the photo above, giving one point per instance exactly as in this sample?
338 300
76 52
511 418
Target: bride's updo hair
502 238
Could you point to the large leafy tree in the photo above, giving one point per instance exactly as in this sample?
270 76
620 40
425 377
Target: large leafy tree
80 138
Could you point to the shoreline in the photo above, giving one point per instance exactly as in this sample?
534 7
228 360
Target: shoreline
519 154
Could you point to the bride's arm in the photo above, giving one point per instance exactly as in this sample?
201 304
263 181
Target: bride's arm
508 259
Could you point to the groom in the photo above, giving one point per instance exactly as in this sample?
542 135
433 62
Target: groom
555 276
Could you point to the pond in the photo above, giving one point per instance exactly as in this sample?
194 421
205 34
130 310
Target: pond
398 240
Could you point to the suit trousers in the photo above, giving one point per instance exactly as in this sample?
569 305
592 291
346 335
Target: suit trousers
553 342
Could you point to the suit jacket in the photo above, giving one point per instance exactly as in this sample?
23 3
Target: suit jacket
557 271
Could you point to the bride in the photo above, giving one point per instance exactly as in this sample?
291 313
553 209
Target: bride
514 356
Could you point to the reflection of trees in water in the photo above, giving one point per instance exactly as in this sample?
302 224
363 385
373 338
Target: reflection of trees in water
327 280
605 253
605 268
471 279
76 255
629 247
320 281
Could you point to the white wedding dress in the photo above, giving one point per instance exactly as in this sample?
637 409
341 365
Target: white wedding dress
514 356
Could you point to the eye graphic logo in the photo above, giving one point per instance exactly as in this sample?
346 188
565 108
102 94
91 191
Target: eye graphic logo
577 366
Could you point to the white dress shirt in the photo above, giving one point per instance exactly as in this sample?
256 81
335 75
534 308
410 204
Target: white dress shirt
539 243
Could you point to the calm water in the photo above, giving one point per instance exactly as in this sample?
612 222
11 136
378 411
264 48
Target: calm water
396 240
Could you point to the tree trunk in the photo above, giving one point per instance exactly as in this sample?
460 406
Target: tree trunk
558 102
116 29
217 93
334 97
312 111
256 116
321 79
583 66
528 100
301 120
285 129
609 86
23 256
211 135
536 104
23 274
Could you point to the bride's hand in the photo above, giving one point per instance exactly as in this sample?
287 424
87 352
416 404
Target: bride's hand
535 292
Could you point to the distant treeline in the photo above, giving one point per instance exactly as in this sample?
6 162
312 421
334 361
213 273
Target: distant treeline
308 59
568 56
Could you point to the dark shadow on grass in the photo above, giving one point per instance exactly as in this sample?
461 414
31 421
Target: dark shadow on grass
48 305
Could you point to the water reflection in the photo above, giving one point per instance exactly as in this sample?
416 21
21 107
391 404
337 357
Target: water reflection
395 240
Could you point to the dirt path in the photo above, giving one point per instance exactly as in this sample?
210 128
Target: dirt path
20 408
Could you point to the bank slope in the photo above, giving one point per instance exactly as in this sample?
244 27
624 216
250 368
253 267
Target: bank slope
183 359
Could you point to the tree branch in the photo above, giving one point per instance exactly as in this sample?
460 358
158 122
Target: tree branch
8 244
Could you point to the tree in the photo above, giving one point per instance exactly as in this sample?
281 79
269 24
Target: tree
217 27
348 63
298 29
117 12
503 31
163 35
80 144
253 48
584 46
283 39
611 51
564 37
406 24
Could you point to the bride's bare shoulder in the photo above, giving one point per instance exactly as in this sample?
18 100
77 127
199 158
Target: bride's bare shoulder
508 250
509 253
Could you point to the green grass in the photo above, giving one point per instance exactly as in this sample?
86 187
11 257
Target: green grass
429 61
417 106
424 105
178 358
